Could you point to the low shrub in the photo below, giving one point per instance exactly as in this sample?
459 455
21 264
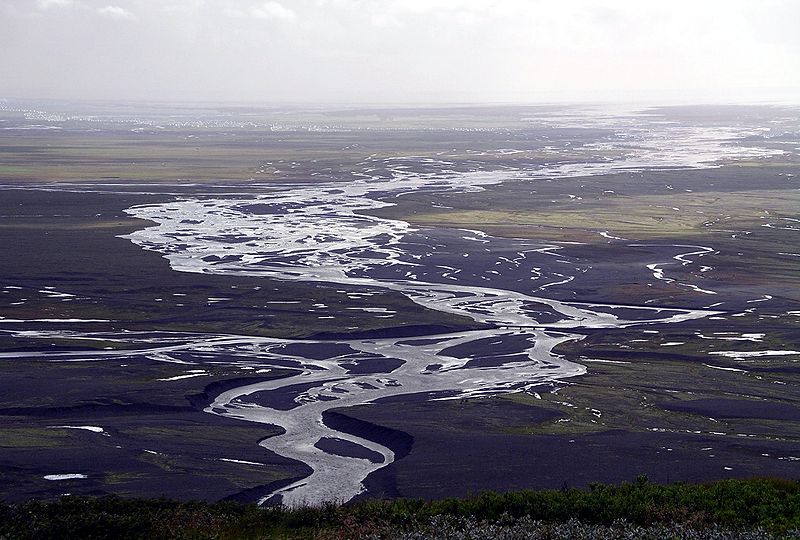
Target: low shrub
757 508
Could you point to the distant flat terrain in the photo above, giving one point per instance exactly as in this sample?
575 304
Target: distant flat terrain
302 306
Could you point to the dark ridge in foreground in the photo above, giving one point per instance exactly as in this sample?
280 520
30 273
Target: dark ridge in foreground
757 508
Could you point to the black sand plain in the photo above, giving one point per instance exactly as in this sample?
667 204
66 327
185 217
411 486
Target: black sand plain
646 406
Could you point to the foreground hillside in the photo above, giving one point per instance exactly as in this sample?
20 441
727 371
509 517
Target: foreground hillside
759 508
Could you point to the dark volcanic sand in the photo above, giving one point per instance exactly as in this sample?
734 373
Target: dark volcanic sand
167 445
70 241
171 454
736 408
341 447
170 448
464 449
158 442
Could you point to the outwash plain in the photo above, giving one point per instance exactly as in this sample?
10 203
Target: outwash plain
315 305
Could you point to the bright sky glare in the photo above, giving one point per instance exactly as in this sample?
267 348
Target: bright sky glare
401 51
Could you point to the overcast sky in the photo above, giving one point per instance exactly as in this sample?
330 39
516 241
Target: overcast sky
369 51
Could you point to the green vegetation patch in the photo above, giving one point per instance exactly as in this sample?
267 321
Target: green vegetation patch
32 437
758 508
634 381
210 434
638 216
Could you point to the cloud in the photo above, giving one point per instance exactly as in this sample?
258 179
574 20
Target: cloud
47 4
416 13
273 10
115 12
400 50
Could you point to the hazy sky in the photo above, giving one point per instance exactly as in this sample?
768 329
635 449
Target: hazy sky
401 50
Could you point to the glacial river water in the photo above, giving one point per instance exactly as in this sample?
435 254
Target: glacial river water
322 232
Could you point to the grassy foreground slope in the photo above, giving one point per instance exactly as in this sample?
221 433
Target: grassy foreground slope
758 508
